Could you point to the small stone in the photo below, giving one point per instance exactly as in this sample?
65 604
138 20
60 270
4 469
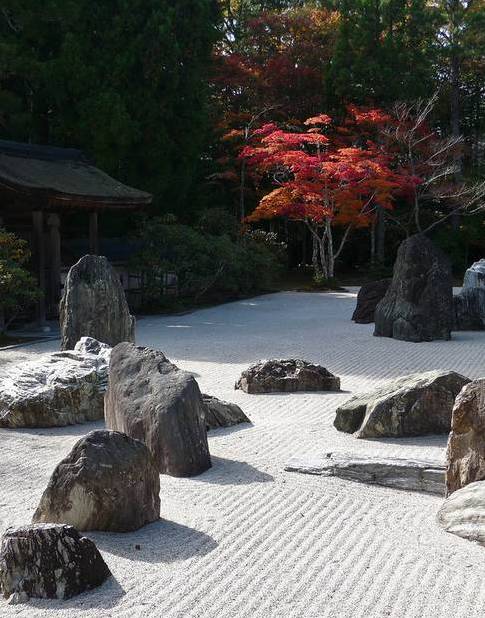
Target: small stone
48 561
368 298
94 304
286 376
107 482
463 512
220 413
413 405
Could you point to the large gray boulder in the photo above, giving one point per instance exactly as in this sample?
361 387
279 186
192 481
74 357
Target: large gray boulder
286 376
469 305
48 561
463 513
418 306
151 400
57 389
107 482
220 413
94 304
369 296
466 444
413 405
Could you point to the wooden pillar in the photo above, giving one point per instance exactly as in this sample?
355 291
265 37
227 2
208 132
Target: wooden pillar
53 222
93 233
38 259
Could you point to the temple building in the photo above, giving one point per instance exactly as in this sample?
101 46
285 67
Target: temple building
40 186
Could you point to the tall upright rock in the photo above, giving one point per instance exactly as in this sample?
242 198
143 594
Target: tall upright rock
94 305
418 306
151 400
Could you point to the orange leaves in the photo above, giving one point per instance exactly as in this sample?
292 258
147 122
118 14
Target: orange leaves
321 177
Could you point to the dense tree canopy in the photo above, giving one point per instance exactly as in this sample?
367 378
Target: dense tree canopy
126 80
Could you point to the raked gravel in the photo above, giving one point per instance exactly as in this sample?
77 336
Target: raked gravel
247 539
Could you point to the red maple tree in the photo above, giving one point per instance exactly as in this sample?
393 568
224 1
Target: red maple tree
325 175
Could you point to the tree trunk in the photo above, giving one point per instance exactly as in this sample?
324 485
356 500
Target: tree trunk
381 235
331 258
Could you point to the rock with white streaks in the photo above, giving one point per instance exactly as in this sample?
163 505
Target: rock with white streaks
56 389
463 513
48 561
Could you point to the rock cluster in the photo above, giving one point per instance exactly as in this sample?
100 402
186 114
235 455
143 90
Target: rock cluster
418 306
368 298
220 413
412 405
56 389
469 305
48 561
286 376
151 400
107 482
94 304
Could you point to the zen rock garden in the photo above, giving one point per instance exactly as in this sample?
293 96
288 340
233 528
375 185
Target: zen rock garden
156 418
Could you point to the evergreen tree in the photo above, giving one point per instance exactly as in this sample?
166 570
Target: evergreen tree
126 80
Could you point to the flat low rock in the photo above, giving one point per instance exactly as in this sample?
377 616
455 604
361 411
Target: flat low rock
107 482
151 400
413 405
220 413
466 445
463 513
407 474
368 298
286 376
48 561
63 388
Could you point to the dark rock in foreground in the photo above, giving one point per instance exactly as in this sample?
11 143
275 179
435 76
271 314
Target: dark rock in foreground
220 413
107 482
56 389
368 298
418 306
463 513
413 405
286 376
49 561
466 444
151 400
94 304
408 474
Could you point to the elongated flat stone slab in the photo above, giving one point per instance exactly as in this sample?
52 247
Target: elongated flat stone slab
407 474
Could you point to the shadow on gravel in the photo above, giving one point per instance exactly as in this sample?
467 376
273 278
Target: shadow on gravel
230 472
161 541
105 596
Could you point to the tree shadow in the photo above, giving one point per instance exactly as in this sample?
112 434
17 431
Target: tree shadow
230 472
106 596
162 541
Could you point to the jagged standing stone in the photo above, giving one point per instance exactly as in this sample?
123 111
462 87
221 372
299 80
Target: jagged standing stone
49 561
94 305
413 405
107 482
56 389
286 376
418 306
465 452
151 400
220 413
